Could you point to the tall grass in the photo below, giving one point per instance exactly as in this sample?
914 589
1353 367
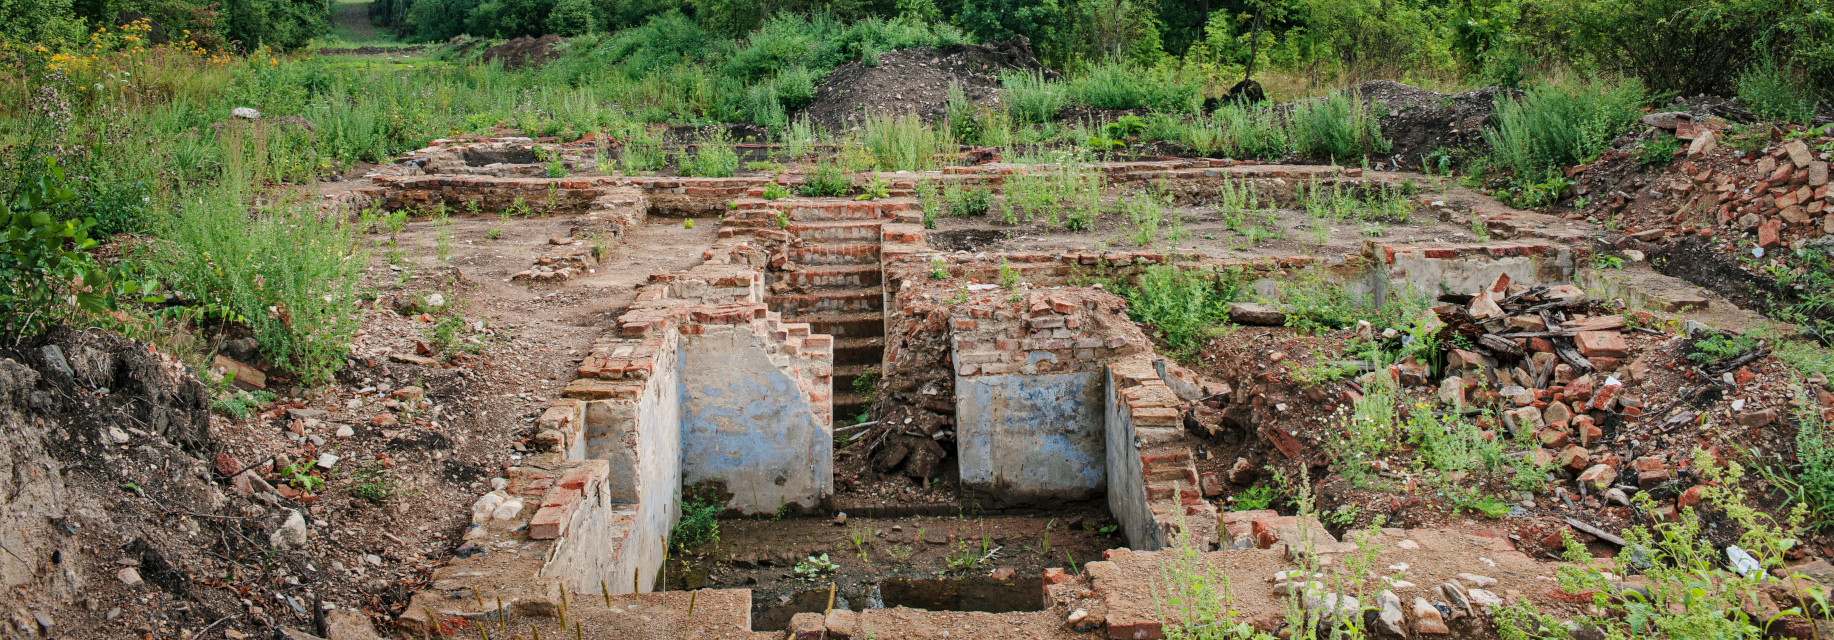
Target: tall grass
1338 127
1068 193
1031 98
1116 85
288 274
903 143
1557 125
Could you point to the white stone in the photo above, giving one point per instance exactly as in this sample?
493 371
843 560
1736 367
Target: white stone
1408 544
1485 598
436 300
1477 580
116 436
485 506
1391 615
128 576
1076 616
507 510
327 460
292 533
344 431
245 113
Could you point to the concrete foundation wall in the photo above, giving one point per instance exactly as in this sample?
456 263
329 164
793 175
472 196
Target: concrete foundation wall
746 424
1126 487
1031 438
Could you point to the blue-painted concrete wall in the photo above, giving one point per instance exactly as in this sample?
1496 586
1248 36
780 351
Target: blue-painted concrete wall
746 424
1031 439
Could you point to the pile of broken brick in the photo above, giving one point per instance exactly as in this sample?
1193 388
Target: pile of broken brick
1549 354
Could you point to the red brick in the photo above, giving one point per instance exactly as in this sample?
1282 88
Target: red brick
550 522
1602 343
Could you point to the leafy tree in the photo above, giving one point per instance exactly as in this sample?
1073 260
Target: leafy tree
571 18
439 19
46 21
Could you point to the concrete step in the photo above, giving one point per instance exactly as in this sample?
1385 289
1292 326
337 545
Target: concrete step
833 276
825 300
847 231
867 350
870 324
837 253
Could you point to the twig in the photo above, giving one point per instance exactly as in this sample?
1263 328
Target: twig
213 625
1600 533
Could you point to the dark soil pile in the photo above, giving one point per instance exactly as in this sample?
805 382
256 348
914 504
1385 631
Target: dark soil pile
523 52
917 81
1419 121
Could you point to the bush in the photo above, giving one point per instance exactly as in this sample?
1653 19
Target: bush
1122 86
827 181
1250 132
1558 125
1180 304
713 157
903 143
1338 127
290 275
1030 98
46 270
1774 94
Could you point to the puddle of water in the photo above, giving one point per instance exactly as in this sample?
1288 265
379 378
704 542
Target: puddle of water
976 593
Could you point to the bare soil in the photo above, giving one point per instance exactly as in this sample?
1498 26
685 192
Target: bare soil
917 81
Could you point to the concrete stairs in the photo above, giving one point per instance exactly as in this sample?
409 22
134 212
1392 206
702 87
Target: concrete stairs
829 276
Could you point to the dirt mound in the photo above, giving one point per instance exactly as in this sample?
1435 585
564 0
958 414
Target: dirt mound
917 81
1421 122
524 51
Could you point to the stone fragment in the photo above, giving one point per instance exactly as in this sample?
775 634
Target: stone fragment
1667 120
1427 620
1798 153
1598 476
1390 613
344 624
245 113
292 533
128 576
1259 315
1477 580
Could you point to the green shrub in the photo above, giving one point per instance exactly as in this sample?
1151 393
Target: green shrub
700 521
1030 98
1555 126
828 180
1180 305
713 157
289 274
966 201
1338 127
1122 86
1250 132
1068 193
903 143
1658 151
1774 94
46 270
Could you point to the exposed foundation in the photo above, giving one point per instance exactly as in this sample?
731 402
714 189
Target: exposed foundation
733 376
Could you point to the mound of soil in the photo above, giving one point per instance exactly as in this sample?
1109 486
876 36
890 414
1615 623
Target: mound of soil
1419 121
917 81
524 51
